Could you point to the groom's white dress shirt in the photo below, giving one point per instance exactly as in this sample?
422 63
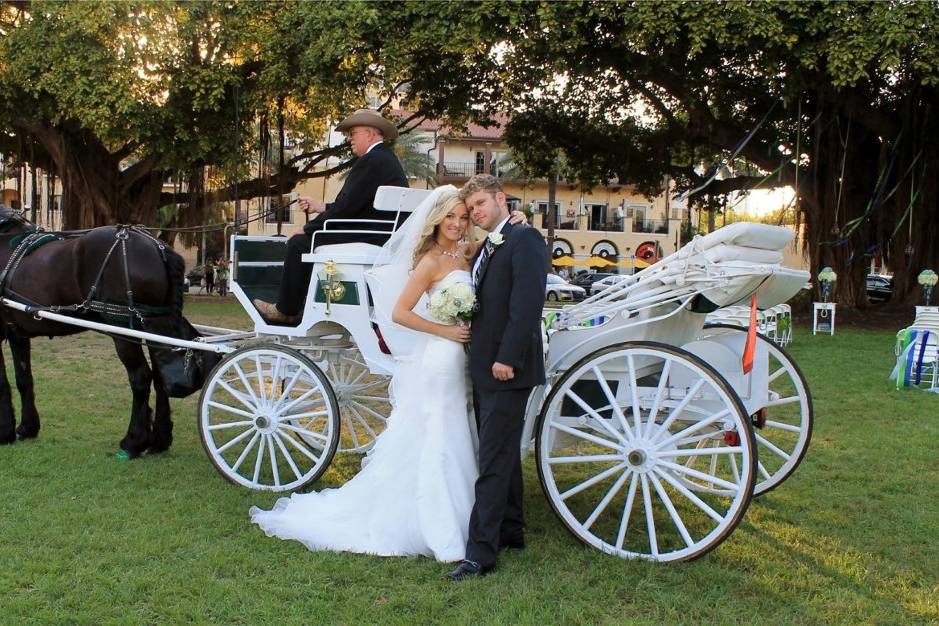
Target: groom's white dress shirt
497 229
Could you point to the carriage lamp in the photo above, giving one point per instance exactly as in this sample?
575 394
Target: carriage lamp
333 289
825 280
928 279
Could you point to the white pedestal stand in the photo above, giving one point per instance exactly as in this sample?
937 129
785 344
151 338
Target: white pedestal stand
817 308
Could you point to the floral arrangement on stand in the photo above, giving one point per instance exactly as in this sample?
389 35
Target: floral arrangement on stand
928 279
826 278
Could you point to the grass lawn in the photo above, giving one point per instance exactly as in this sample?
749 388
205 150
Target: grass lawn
850 538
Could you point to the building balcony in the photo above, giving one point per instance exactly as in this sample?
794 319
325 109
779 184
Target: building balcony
656 227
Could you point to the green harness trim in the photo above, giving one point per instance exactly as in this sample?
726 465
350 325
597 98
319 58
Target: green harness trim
42 240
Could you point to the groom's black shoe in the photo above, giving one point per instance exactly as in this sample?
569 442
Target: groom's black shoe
512 545
467 569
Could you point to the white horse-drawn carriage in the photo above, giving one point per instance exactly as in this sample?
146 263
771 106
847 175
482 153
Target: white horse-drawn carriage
650 437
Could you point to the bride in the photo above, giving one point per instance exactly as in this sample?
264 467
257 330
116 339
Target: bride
415 495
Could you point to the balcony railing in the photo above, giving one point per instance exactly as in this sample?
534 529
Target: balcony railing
458 169
658 227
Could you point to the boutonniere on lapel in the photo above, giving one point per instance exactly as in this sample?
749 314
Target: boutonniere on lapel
496 239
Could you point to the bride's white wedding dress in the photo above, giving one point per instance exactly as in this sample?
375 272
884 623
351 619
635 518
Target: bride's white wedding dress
415 494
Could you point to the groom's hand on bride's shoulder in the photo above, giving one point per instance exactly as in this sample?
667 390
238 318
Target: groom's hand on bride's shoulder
517 217
503 372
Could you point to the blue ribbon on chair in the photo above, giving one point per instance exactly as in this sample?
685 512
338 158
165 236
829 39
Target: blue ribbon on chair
922 353
908 366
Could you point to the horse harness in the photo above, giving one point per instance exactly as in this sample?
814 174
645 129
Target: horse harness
130 311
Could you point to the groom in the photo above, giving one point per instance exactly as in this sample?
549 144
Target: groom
506 363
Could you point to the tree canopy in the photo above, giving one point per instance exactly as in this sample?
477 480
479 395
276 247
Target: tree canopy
834 98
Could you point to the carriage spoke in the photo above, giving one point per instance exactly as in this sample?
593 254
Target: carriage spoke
734 469
230 409
775 375
259 461
663 428
627 510
590 482
240 437
694 499
364 422
290 461
244 381
650 521
781 426
762 470
773 449
289 438
259 374
697 439
597 417
693 428
708 478
659 393
581 434
303 431
676 518
348 425
275 375
605 502
701 451
244 453
296 416
374 383
617 411
288 389
378 398
634 392
225 425
782 401
237 395
370 411
584 459
306 394
274 471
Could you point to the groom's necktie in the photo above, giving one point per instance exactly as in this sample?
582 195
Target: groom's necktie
483 259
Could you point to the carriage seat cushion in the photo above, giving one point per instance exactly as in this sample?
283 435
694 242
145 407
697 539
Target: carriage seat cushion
723 252
748 235
357 252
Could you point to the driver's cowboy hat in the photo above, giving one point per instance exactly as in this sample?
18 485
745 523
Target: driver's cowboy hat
368 117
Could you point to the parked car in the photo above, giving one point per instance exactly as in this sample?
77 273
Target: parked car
879 288
585 279
609 281
558 289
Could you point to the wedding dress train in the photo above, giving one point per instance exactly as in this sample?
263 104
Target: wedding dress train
416 493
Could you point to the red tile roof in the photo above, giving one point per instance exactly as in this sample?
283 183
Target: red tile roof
473 130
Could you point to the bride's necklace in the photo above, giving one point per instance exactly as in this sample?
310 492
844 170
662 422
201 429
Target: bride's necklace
450 253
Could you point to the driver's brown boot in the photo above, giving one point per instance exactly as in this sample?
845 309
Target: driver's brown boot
272 314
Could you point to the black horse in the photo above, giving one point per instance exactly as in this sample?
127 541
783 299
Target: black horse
113 274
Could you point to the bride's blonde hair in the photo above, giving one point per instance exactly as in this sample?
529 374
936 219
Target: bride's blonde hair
445 203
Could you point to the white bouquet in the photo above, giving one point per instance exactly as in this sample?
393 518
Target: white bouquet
454 303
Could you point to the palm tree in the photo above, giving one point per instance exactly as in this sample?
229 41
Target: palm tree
414 159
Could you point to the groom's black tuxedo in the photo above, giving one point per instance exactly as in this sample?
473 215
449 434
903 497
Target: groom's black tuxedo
507 326
506 329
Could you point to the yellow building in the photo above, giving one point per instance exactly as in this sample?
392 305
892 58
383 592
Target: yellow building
610 221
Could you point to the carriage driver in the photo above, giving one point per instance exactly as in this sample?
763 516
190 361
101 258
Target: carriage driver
375 165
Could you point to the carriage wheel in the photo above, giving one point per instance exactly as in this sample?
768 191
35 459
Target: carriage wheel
783 429
612 441
364 405
268 419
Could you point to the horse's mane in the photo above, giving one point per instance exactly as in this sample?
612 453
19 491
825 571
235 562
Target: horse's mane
175 270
